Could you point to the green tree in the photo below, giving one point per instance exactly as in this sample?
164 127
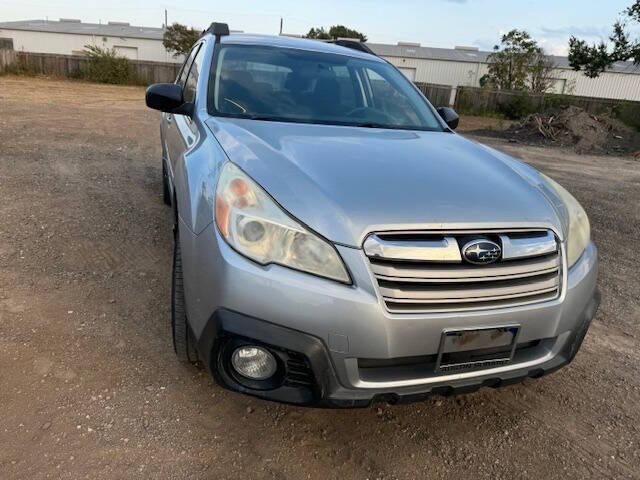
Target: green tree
178 39
319 34
519 63
340 31
541 73
596 58
335 32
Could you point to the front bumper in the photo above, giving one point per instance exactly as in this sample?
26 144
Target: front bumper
326 390
334 326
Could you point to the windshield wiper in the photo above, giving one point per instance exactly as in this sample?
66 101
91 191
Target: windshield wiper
274 118
370 125
256 117
261 117
391 127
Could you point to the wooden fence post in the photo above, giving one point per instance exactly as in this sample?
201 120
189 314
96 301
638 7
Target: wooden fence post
7 58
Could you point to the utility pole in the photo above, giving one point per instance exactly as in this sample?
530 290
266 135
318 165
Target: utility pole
166 24
281 25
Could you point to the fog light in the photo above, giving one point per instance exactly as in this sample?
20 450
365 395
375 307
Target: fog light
254 362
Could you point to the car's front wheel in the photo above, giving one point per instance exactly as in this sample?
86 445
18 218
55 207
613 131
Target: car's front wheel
183 340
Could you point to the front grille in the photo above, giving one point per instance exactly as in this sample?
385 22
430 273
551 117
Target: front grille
426 272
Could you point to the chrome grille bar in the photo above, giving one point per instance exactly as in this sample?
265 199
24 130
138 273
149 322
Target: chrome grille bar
435 250
528 246
414 272
467 292
414 275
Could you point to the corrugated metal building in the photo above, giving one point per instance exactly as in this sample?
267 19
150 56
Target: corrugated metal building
69 37
465 66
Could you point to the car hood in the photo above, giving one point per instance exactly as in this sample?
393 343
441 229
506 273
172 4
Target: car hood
345 182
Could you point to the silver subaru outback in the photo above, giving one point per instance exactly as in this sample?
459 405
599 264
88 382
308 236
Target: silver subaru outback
337 244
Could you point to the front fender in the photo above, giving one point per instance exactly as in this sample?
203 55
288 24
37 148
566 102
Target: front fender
195 180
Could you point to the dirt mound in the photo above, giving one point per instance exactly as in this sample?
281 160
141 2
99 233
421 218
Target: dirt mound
574 127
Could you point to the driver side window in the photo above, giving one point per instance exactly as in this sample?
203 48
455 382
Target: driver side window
194 73
386 98
182 77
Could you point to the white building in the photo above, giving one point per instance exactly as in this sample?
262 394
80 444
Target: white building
465 66
69 37
459 66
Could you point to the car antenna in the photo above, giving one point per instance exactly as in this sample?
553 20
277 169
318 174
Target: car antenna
218 30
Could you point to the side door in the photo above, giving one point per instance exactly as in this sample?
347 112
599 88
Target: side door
175 138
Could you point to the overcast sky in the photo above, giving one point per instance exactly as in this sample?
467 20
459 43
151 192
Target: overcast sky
438 23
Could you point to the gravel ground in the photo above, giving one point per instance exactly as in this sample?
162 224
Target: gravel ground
90 388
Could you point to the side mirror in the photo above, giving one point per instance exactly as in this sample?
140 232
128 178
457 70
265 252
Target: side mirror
449 116
167 97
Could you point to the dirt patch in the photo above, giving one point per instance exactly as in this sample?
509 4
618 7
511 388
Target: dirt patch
90 387
573 127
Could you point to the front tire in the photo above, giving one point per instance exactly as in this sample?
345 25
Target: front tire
183 340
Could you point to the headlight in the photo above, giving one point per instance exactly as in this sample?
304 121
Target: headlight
578 230
255 226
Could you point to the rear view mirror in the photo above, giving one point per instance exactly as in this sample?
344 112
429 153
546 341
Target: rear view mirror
167 97
449 116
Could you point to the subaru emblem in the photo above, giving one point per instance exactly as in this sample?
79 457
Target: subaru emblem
481 252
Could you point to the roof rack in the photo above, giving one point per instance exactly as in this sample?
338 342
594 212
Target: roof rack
353 44
218 30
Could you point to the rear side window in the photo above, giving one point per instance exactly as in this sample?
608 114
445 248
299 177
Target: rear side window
192 78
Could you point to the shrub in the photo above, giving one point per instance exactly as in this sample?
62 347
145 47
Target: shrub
106 66
628 113
517 106
557 101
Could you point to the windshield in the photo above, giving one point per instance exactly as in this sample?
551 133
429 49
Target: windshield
284 84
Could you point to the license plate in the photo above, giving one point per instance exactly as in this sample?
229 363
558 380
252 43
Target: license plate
476 348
